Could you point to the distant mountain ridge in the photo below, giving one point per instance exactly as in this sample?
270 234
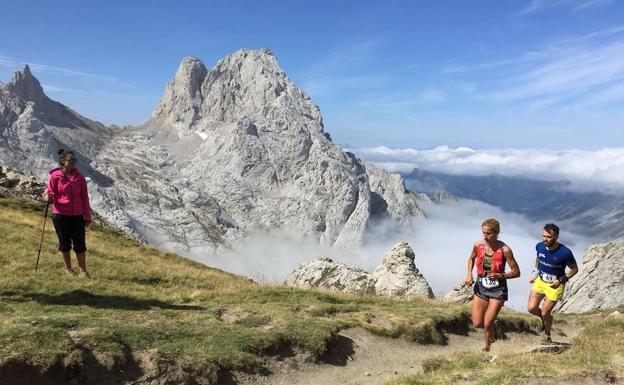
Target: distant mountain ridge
229 151
595 214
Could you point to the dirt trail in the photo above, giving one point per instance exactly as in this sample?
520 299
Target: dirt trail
362 358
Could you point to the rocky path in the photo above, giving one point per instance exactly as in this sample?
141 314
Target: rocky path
365 359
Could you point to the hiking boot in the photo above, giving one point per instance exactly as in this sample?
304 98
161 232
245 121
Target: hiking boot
546 340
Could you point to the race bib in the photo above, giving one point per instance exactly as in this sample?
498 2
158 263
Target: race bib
489 283
548 278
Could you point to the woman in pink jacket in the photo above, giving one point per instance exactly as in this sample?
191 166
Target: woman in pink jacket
71 213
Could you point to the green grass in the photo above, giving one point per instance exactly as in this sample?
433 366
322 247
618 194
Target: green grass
591 355
144 300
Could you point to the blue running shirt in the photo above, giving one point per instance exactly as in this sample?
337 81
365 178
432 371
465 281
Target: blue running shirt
554 262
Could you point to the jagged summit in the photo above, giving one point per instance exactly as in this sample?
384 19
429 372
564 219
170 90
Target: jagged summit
191 72
24 87
238 85
27 87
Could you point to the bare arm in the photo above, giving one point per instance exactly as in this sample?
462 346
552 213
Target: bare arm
573 271
568 275
534 274
471 260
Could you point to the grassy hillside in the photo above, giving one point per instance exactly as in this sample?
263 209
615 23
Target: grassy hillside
154 316
147 308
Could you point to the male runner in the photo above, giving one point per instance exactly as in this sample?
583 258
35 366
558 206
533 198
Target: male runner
549 277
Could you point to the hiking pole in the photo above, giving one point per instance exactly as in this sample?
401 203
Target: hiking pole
45 216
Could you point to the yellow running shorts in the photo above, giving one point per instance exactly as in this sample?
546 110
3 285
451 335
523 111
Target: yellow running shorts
542 287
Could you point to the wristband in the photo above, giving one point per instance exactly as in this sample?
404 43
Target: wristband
563 279
535 272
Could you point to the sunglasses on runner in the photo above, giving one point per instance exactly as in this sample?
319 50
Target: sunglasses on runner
73 160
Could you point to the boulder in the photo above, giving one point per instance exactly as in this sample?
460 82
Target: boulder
397 276
322 272
460 293
600 281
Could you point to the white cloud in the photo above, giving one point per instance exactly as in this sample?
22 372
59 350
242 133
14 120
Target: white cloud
569 73
575 5
18 64
601 170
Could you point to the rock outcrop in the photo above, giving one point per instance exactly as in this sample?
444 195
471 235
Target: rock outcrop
395 277
325 273
599 283
16 184
229 152
460 293
390 197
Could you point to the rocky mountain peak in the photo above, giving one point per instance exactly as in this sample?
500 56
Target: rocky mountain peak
26 86
191 73
263 57
247 66
237 87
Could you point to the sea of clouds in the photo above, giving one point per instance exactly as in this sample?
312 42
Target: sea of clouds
585 170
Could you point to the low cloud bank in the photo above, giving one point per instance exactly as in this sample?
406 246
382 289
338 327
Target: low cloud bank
441 242
600 170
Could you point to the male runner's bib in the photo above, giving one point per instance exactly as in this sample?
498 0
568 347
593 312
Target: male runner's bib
548 278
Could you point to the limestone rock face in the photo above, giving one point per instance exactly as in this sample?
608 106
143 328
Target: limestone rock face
322 272
390 196
396 277
229 152
599 283
182 99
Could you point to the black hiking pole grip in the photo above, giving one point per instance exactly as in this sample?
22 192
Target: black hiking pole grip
45 216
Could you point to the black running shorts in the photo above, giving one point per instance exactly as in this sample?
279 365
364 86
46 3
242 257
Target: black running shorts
70 230
485 290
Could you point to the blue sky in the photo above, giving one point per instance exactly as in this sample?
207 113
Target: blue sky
486 74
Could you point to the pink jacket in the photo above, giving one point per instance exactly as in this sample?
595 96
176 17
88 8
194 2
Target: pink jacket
69 193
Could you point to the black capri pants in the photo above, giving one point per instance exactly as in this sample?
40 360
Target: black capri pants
70 230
